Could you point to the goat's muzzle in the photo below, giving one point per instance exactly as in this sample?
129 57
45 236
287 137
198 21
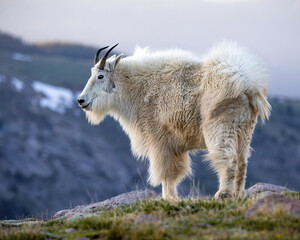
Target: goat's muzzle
83 103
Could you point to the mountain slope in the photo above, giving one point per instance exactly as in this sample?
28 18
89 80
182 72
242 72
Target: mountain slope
50 159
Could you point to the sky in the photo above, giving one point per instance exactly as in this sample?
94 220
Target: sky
270 29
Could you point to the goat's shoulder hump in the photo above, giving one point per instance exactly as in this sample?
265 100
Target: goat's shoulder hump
169 54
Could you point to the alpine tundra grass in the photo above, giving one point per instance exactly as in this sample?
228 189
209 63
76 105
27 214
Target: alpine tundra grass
187 219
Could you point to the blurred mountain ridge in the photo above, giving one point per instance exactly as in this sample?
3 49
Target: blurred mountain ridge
52 48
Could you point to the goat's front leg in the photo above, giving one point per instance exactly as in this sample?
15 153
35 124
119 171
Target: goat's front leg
169 191
168 169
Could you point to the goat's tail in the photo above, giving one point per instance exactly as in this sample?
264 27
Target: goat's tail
237 72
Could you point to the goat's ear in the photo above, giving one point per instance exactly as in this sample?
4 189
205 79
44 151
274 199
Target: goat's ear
113 56
116 61
118 58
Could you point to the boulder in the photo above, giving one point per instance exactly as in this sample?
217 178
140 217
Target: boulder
275 202
124 199
264 189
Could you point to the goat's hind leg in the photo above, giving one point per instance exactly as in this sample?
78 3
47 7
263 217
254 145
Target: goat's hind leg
245 137
241 171
222 153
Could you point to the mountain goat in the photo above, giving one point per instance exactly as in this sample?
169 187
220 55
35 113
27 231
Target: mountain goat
171 103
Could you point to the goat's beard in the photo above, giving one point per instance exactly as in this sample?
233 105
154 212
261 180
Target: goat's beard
99 109
95 118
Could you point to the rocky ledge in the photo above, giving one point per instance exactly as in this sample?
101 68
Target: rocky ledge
268 197
275 202
263 189
124 199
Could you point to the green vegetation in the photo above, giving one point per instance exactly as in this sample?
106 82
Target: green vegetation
198 219
55 70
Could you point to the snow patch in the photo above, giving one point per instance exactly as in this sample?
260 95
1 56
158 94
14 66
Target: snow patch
21 57
57 99
19 85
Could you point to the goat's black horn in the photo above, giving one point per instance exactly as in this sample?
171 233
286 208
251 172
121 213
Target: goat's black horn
103 60
97 54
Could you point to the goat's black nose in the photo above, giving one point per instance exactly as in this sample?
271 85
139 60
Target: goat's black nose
80 101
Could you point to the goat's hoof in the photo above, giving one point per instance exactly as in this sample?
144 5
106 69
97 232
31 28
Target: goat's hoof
172 200
223 195
240 194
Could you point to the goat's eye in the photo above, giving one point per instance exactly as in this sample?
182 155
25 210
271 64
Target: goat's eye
100 76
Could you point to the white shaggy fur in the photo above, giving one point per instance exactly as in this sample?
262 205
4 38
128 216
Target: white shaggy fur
171 103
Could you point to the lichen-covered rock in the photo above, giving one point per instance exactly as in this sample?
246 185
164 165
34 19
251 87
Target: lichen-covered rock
264 189
275 202
124 199
70 230
21 222
61 213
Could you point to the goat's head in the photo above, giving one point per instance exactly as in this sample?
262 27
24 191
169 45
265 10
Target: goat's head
100 87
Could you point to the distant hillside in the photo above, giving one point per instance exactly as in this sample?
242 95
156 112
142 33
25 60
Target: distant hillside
63 49
70 50
11 43
61 64
51 158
